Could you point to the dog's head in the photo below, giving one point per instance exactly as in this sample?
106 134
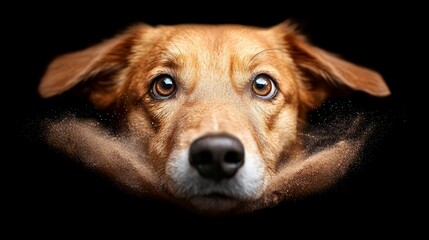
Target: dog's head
216 109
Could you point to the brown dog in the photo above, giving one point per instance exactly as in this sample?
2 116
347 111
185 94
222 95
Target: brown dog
211 113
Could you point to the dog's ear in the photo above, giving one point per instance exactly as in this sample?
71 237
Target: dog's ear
325 73
96 70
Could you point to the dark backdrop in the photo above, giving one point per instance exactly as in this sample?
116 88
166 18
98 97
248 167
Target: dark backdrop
48 191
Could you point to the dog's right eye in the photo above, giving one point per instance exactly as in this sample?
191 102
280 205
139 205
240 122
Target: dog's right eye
163 87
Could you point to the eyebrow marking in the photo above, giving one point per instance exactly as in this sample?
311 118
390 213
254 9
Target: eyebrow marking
171 56
264 51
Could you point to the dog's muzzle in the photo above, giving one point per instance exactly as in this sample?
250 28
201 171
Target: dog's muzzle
215 173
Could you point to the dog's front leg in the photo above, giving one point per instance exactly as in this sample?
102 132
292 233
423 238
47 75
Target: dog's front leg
311 174
115 157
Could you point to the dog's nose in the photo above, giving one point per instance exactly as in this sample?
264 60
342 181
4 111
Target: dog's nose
217 157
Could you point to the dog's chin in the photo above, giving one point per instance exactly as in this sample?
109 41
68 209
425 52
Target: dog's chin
214 202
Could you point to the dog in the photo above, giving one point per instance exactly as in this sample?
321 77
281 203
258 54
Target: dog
210 116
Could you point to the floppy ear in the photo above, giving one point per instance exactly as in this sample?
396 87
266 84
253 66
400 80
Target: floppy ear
97 66
322 69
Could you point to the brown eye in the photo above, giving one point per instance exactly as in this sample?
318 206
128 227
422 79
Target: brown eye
263 86
163 87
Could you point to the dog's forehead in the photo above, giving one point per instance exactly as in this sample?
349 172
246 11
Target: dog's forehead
213 39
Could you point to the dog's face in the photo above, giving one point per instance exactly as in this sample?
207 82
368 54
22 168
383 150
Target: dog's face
217 110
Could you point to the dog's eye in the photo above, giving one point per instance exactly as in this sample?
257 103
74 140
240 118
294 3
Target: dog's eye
163 87
263 86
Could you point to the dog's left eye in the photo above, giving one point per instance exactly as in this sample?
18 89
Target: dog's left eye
264 87
163 87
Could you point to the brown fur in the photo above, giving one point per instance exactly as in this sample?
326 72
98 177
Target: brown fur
213 67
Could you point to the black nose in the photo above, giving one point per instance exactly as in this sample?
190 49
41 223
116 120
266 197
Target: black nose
217 157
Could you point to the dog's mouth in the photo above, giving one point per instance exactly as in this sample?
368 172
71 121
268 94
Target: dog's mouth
219 196
214 201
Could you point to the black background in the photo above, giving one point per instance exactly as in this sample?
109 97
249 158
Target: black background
48 191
